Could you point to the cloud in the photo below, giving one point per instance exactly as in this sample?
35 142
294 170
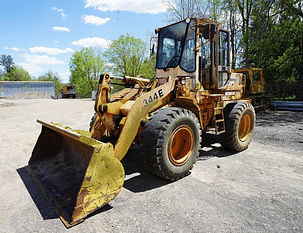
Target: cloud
41 59
70 50
94 20
110 65
65 76
14 49
61 29
92 42
61 11
136 6
31 68
33 62
50 51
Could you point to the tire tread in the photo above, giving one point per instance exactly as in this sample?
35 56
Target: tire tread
153 139
232 114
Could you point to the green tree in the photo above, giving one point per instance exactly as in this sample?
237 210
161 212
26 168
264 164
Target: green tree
294 10
17 73
7 62
276 41
127 54
54 77
148 68
245 9
2 77
86 66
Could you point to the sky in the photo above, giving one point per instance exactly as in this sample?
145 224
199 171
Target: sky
42 36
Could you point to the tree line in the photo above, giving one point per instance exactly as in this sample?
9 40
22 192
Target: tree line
125 56
265 34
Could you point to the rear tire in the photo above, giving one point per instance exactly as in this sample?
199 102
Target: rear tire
239 126
170 142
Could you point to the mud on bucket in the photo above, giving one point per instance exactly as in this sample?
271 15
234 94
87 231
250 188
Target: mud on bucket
76 173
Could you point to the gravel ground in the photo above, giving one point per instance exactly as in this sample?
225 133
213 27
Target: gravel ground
257 190
280 129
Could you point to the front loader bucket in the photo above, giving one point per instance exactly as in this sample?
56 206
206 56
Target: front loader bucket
76 173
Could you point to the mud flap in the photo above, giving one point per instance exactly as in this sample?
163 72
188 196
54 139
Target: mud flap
76 173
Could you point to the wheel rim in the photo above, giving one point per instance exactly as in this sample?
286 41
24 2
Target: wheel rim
181 145
244 127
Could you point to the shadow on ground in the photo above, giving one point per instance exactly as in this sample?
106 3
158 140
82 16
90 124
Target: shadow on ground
272 118
39 199
210 147
41 202
138 178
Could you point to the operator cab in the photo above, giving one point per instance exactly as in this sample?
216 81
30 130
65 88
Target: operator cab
176 45
195 48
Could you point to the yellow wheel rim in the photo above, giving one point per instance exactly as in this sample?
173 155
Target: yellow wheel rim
181 145
244 127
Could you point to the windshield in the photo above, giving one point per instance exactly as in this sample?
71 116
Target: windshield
174 49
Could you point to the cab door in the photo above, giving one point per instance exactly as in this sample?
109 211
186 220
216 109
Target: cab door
223 59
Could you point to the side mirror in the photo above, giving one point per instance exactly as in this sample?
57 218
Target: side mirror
152 50
153 45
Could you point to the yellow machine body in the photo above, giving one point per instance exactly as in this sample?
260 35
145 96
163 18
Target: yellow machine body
255 87
80 171
68 91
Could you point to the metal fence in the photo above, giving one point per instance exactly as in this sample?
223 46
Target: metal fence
11 88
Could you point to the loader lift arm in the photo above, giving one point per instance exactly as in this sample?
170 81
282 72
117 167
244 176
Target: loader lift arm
130 110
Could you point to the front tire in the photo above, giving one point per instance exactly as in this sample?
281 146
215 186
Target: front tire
92 122
239 126
170 142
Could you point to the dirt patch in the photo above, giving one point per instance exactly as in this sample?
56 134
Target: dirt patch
2 105
30 95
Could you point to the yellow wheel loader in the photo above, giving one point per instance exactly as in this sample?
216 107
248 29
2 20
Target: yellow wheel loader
68 91
194 91
255 87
